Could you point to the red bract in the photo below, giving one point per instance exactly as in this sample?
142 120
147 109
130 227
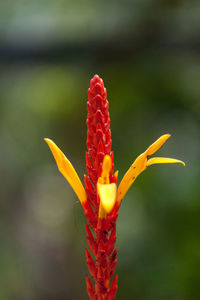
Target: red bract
102 241
100 199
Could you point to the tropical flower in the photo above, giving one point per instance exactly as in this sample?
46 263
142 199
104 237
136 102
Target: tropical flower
101 199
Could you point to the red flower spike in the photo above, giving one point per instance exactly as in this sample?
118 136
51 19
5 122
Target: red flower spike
100 199
98 123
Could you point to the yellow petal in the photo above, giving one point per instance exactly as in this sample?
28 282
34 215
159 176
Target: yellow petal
163 160
157 144
107 195
68 171
136 168
140 164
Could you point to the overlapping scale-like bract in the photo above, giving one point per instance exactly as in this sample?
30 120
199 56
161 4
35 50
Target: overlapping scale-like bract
99 140
101 233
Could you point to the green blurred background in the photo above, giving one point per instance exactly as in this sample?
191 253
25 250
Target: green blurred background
148 53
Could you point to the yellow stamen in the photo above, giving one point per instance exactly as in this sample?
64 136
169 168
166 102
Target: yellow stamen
105 189
67 170
141 163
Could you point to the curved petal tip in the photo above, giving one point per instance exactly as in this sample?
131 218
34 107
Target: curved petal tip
163 160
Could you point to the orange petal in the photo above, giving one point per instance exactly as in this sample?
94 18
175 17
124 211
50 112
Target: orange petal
106 168
157 144
68 171
135 169
140 164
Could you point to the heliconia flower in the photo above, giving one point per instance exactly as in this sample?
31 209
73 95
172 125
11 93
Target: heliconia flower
101 199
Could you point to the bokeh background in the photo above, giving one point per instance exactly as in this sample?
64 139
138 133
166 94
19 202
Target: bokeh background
148 53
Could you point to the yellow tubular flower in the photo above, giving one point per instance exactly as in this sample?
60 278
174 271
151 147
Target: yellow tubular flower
105 189
141 163
67 170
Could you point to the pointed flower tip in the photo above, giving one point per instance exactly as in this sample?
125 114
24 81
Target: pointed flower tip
157 144
163 160
49 142
95 78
